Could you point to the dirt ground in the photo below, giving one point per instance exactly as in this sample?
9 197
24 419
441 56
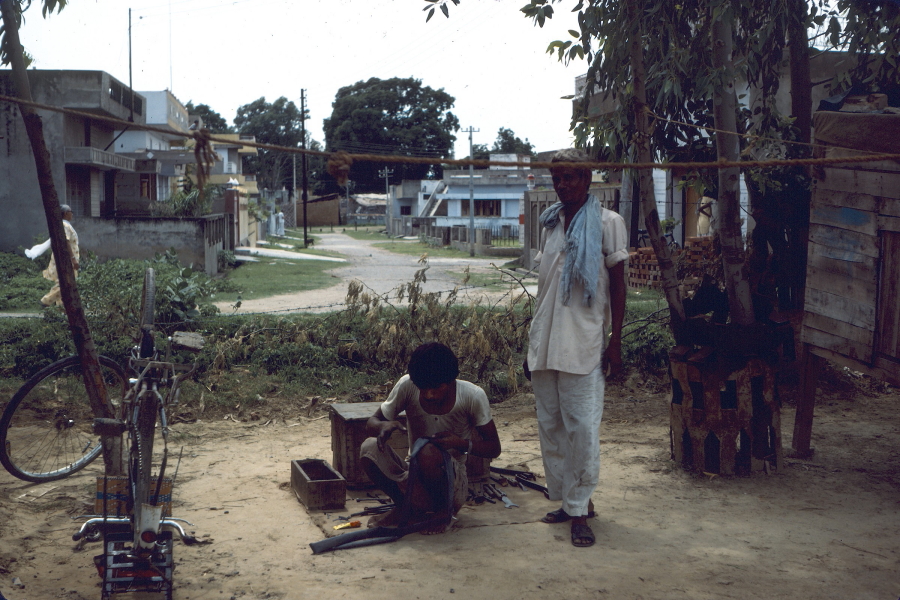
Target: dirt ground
825 528
821 528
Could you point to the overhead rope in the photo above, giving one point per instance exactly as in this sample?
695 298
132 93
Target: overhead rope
341 160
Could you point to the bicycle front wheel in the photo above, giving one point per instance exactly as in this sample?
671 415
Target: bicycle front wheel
46 429
148 299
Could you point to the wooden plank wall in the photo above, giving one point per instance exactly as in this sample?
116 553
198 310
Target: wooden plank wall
853 272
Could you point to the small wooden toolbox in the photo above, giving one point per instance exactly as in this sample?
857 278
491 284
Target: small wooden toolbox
317 485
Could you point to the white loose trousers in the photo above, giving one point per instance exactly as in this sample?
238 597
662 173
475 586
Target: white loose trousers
569 410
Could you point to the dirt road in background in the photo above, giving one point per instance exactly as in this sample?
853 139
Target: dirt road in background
379 270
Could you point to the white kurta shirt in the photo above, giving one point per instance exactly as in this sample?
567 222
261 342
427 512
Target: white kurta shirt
572 338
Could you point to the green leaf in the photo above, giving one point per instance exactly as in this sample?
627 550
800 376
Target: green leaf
430 14
445 10
574 33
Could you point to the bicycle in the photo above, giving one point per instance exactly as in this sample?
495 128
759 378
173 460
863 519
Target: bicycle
49 408
668 236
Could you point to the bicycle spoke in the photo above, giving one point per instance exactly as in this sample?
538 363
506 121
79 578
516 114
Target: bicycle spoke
46 429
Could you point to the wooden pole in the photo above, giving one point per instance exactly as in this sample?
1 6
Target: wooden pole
81 336
810 367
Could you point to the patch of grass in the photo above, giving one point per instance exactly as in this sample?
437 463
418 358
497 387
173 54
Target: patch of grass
646 337
416 248
271 277
298 246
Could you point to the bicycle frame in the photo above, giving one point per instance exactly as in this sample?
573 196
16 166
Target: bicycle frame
153 375
147 520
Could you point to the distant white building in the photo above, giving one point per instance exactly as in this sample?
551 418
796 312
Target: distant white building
496 195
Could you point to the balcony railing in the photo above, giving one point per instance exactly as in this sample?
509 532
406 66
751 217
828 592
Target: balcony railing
94 157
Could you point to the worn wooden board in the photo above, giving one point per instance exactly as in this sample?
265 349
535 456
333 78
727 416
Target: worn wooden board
877 165
854 312
841 241
888 223
838 345
858 289
876 183
854 199
883 368
844 217
889 207
855 266
840 328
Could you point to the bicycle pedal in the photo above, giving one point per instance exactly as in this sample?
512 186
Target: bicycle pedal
113 427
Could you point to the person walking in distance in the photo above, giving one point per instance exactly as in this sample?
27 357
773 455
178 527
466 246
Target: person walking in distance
54 297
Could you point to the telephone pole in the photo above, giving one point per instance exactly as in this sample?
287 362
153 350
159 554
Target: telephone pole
303 180
470 130
385 172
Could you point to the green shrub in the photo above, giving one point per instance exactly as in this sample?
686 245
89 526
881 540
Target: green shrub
226 260
21 282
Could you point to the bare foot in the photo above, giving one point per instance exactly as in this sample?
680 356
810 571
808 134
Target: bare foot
388 519
442 528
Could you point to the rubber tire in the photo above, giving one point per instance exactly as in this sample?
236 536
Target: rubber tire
148 299
14 404
142 453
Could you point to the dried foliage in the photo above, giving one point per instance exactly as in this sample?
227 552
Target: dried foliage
377 333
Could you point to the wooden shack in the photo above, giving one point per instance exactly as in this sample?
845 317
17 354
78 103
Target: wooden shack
852 304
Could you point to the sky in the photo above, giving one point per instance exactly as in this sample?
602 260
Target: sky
487 55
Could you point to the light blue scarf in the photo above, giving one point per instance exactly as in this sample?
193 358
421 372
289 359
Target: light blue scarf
584 247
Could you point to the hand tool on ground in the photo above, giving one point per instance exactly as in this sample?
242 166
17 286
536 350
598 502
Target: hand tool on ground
514 472
504 498
534 486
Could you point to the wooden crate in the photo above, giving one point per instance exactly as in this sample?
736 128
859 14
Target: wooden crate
317 485
348 432
117 496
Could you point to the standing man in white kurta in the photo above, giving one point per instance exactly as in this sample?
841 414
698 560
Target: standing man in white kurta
575 339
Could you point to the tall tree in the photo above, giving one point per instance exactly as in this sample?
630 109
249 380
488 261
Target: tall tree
391 116
212 120
508 142
276 123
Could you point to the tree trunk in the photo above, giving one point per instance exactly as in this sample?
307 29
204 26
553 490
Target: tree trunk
727 148
642 154
801 80
90 363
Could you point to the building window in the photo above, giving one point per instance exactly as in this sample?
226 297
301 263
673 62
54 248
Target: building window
483 208
405 211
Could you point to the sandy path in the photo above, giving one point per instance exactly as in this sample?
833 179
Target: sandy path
379 270
826 528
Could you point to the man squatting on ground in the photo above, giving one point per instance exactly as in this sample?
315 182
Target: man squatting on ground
454 414
580 303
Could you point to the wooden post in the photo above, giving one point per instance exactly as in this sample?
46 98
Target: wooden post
811 366
81 335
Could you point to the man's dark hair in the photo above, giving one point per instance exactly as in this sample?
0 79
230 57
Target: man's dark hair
432 365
